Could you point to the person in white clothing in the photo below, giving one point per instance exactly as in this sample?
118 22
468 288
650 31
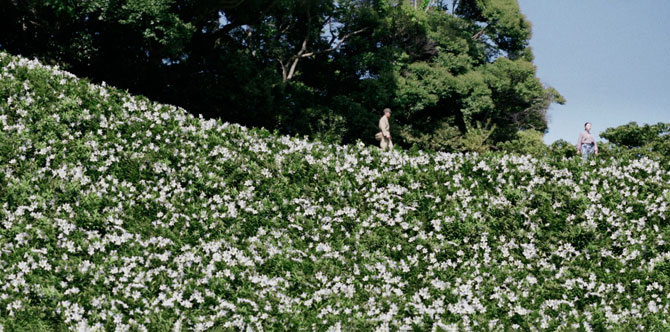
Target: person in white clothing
384 127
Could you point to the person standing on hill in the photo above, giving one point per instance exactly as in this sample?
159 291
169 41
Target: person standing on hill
384 127
586 145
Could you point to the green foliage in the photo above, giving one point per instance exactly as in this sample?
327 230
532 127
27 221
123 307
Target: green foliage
120 213
445 137
156 22
458 81
632 135
477 138
315 67
563 149
527 142
633 140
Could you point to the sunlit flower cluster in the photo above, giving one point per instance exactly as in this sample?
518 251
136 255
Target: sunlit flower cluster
120 214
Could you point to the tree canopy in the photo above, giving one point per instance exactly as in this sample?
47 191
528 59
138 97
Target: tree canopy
647 140
454 72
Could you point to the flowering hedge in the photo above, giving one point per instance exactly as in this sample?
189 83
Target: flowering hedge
117 213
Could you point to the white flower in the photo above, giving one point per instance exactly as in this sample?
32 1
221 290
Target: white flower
651 306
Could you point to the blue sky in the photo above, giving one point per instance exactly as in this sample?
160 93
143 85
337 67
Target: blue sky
610 59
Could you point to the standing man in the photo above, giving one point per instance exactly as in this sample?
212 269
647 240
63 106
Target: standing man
385 129
587 144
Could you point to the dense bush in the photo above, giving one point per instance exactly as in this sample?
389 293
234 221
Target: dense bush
527 142
634 141
120 214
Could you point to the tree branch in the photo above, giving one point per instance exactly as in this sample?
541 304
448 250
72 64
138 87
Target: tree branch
31 9
289 67
480 33
330 29
303 49
332 48
229 4
223 32
283 70
297 57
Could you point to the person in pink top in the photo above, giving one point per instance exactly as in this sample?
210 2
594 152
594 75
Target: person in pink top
586 145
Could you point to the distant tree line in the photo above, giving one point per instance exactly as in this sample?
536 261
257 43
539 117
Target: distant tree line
629 141
458 74
633 140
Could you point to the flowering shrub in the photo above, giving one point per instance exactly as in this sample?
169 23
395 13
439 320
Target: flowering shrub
117 213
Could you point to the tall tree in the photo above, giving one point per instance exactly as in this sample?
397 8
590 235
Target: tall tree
454 71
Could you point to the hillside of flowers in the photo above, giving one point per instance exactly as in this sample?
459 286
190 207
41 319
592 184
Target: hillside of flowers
120 214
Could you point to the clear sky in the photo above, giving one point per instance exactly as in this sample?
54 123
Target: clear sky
610 59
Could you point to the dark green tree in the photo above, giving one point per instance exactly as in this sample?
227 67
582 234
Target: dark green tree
458 72
634 140
455 72
632 135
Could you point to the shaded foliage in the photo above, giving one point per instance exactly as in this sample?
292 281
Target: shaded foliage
305 67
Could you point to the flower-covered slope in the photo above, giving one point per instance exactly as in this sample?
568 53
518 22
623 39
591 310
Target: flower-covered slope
117 213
